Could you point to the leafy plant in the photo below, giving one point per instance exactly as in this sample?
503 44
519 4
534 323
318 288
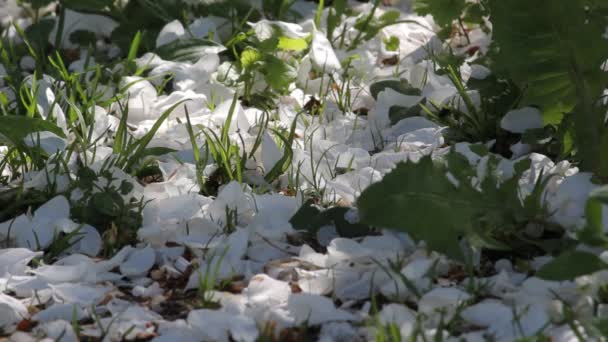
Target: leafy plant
539 46
570 265
310 218
446 12
442 203
260 58
369 25
103 206
443 11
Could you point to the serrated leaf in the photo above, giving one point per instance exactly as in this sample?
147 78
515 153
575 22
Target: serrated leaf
421 200
570 265
539 45
278 73
310 218
292 44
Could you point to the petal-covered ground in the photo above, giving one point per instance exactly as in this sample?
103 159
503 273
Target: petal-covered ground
180 193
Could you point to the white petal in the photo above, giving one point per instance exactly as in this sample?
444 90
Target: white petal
89 241
139 262
11 311
322 54
48 141
447 298
170 32
267 291
14 260
59 331
521 120
400 315
221 326
55 274
80 294
315 309
60 311
487 313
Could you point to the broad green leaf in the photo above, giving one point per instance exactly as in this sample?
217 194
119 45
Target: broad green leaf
570 265
540 46
15 128
249 57
389 17
443 11
292 44
420 199
278 73
310 218
38 33
190 50
391 43
398 113
83 37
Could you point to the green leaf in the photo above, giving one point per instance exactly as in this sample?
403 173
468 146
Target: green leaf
570 265
420 199
87 5
137 151
134 47
103 202
278 73
443 11
249 57
306 217
38 34
310 218
391 43
190 50
292 44
15 128
398 113
83 37
389 17
539 46
593 232
401 86
474 13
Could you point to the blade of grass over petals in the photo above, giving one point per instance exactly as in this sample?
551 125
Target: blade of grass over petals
134 47
319 13
226 128
283 164
195 151
139 148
